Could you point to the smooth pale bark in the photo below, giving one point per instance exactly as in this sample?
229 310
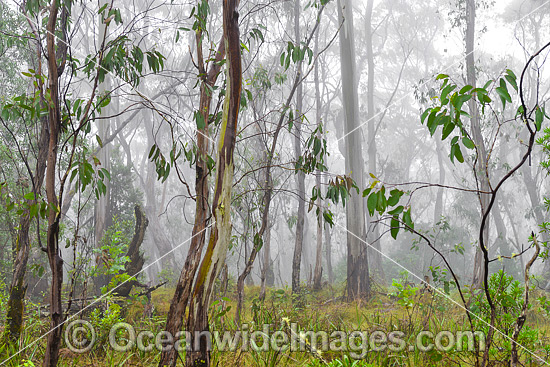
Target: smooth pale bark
358 281
438 206
318 272
266 276
102 206
220 237
328 254
481 168
184 286
268 180
102 210
300 176
373 232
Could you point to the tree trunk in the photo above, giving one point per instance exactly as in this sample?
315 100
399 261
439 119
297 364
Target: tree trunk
220 236
318 272
52 248
268 181
135 265
102 205
481 167
300 176
267 276
373 232
102 218
358 281
184 286
17 290
328 255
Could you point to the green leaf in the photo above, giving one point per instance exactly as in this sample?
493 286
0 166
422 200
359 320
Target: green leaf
327 215
455 150
539 117
408 220
382 202
397 210
432 123
372 202
424 115
468 143
447 129
504 96
395 195
199 118
448 89
511 78
152 151
29 196
102 8
33 210
465 89
394 223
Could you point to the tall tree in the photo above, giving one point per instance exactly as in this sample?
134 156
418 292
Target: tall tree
52 247
318 272
17 290
481 168
220 236
358 281
300 176
373 232
102 206
182 295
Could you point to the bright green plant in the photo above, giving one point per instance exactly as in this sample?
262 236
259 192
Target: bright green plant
403 291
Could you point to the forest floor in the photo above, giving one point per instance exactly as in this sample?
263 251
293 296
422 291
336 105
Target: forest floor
396 327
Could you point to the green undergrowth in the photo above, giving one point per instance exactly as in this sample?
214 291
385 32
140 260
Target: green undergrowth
400 308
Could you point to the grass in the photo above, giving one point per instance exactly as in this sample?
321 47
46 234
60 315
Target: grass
321 311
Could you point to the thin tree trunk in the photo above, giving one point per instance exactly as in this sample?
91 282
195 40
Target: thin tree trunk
220 236
267 270
52 248
102 205
358 281
269 191
300 176
328 255
184 286
373 233
17 290
135 265
481 168
318 272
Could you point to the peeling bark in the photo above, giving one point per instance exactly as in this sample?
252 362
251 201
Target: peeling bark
184 286
220 237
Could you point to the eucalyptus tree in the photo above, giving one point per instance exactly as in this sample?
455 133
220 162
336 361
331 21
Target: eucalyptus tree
358 280
300 176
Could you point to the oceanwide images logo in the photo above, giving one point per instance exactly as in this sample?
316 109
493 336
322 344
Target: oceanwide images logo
80 337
